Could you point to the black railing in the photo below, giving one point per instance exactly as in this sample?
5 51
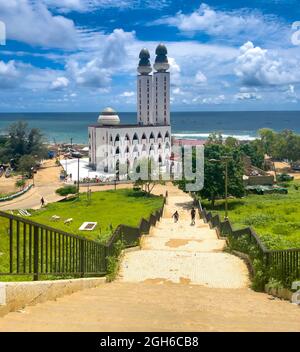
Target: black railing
282 265
30 249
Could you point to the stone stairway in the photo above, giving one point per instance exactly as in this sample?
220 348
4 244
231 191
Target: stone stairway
181 253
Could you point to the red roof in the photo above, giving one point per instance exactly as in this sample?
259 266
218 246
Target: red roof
192 142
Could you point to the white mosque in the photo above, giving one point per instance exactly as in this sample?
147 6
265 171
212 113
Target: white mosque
112 143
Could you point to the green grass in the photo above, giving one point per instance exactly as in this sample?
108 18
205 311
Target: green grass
106 208
275 217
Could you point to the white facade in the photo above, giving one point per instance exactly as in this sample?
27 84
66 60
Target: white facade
111 143
127 144
161 98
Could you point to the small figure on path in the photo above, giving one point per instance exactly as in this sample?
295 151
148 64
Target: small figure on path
42 202
175 216
193 216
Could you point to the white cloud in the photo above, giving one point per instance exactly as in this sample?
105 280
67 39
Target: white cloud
91 5
8 74
127 94
247 96
232 24
200 78
32 23
257 67
60 83
89 75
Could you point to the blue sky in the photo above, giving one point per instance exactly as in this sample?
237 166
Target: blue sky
81 55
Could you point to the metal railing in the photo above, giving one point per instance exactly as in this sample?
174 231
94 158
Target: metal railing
282 265
32 249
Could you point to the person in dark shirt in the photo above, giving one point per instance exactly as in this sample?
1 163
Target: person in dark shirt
193 216
175 216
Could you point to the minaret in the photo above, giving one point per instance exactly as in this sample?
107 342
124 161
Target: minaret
161 87
144 90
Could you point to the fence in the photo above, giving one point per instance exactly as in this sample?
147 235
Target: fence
282 265
33 249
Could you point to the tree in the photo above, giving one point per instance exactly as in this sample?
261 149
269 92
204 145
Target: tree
26 163
22 140
254 151
268 138
20 183
231 142
214 173
149 177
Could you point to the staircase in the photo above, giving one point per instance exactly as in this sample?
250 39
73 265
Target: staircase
181 253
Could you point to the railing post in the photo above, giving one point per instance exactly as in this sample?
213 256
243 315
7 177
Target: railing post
11 248
36 253
82 257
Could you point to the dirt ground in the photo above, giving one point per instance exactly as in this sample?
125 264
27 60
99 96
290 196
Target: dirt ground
282 167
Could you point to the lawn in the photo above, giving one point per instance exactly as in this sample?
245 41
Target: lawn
107 208
275 217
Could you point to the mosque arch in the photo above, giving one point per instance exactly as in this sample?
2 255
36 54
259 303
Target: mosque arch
135 137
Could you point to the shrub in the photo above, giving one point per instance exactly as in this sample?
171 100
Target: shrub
66 190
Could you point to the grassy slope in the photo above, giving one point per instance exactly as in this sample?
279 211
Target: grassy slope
276 217
107 207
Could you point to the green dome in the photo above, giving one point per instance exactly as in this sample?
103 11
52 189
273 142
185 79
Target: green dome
161 50
144 58
161 54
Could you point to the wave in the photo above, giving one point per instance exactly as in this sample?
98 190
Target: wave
240 137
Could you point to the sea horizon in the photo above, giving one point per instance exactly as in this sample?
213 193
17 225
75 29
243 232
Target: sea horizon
60 127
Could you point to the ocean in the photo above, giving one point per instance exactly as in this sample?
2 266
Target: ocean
61 127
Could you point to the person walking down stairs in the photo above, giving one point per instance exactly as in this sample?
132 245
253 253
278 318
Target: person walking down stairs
193 216
175 216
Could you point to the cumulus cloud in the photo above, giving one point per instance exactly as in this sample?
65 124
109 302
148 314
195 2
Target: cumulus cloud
200 78
89 75
8 74
32 23
59 83
258 67
229 24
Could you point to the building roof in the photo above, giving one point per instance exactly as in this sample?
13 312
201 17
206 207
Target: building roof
127 126
191 142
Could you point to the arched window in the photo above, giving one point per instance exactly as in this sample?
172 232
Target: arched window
127 137
144 136
167 145
135 149
151 135
135 137
151 147
159 135
159 146
117 139
160 159
167 135
117 151
127 150
144 149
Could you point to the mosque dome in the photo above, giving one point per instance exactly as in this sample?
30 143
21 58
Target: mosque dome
108 117
161 60
144 67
